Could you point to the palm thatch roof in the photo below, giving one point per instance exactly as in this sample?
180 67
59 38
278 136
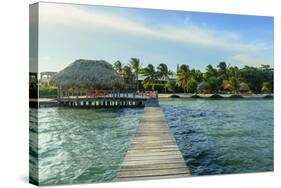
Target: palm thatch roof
88 73
202 86
244 87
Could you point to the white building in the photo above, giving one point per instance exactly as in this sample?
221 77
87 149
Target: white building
45 77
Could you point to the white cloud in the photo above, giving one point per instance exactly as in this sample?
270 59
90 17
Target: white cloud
190 34
72 15
244 59
208 38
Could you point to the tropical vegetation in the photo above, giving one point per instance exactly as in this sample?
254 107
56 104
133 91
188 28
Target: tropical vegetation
222 78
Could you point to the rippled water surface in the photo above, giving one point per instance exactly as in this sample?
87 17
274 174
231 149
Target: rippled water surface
214 136
83 145
222 136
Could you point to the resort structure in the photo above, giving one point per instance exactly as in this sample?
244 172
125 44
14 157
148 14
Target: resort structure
90 83
45 77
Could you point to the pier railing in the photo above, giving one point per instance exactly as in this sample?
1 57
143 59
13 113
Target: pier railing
103 102
106 99
147 94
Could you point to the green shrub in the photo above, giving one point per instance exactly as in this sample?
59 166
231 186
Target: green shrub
48 92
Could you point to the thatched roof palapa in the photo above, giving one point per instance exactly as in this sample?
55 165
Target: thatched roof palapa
202 86
244 87
88 73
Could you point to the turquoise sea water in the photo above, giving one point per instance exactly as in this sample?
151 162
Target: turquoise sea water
83 145
214 136
223 136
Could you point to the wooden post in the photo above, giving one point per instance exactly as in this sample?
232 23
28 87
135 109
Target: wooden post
58 92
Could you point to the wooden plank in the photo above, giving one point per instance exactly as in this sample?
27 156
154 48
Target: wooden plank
166 153
154 166
153 153
150 172
152 177
147 163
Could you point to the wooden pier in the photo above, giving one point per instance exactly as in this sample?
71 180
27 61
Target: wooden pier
153 153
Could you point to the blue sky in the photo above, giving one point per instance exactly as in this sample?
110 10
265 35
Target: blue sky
69 32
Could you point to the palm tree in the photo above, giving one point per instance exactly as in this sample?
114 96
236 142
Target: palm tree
118 66
150 75
171 85
191 85
234 71
210 71
223 71
234 84
136 66
164 73
214 84
183 75
234 78
222 68
197 75
127 75
265 87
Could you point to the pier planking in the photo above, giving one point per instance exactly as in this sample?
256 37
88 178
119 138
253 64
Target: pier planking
153 153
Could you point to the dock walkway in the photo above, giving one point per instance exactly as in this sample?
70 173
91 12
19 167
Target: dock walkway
153 153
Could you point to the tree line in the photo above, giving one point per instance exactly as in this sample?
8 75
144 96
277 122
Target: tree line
222 78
